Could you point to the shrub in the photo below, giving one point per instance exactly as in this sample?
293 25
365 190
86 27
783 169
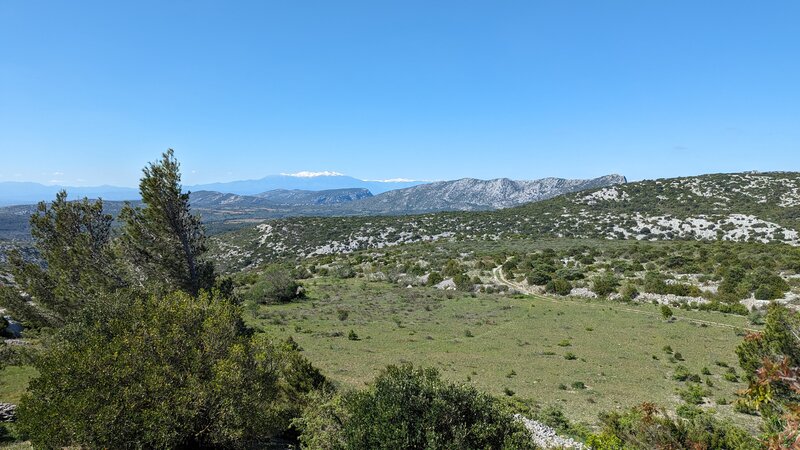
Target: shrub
687 411
275 285
463 282
408 408
730 375
605 284
629 292
163 372
434 278
343 271
538 277
681 373
558 286
693 394
647 427
3 326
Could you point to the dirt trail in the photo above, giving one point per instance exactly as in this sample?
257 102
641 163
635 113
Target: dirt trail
497 273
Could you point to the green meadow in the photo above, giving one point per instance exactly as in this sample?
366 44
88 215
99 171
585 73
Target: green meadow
585 356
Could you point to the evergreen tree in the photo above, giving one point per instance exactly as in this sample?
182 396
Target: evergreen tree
172 371
163 242
73 239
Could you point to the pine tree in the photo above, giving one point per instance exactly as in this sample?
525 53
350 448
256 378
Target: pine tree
163 242
73 239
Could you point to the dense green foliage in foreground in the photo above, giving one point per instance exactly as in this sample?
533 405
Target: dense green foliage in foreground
150 349
163 372
646 427
414 409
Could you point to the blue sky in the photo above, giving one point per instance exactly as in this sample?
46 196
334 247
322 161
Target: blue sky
91 91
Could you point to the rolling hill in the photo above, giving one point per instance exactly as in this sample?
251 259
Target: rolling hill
762 207
229 211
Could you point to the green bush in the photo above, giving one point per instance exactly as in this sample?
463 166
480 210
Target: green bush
3 326
538 277
681 373
605 284
276 285
163 372
343 271
693 394
407 408
558 286
463 282
434 278
647 427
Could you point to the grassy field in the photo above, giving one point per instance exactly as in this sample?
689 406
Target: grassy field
13 382
502 344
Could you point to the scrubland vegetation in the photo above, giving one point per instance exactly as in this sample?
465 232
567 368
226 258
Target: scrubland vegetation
470 335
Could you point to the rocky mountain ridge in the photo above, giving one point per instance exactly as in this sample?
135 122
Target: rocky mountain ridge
757 207
300 197
470 194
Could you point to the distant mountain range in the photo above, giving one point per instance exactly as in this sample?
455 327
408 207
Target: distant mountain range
469 194
299 197
224 211
742 207
25 193
459 195
303 181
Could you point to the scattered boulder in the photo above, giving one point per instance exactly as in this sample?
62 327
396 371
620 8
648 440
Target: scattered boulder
8 412
447 285
582 292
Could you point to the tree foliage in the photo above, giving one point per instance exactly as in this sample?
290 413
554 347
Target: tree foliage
408 408
275 285
605 284
163 242
163 372
73 238
770 361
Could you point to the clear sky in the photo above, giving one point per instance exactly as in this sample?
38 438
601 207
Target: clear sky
91 91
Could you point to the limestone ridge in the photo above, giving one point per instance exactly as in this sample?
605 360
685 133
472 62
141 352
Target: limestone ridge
469 194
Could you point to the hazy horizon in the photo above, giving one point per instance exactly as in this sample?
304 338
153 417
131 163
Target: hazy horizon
412 90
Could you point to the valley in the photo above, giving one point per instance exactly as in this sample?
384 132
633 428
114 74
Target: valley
567 308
